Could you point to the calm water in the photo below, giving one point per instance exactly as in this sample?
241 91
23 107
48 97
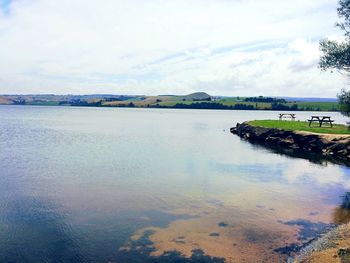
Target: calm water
134 185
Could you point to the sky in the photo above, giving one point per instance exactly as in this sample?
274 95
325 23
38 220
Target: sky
152 47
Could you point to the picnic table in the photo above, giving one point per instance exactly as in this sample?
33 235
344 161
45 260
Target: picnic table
286 115
321 120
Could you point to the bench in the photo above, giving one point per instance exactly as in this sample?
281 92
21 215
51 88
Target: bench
287 115
321 120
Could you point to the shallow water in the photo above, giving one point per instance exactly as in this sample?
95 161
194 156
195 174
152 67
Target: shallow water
155 185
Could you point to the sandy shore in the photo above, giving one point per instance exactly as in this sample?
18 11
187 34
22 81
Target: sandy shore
333 247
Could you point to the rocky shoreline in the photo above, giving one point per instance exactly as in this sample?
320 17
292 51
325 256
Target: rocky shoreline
332 145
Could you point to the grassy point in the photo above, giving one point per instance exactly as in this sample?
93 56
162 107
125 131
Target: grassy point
301 126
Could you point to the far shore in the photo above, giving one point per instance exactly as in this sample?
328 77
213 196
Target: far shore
197 100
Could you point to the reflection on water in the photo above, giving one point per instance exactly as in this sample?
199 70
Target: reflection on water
133 185
341 214
346 201
316 158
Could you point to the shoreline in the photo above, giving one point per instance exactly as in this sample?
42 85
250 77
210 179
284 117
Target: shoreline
331 247
331 146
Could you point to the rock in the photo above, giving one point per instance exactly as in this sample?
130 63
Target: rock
233 130
344 254
342 152
294 146
273 139
222 224
342 251
321 144
287 141
313 143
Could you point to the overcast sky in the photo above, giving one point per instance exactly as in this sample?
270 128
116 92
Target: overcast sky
223 47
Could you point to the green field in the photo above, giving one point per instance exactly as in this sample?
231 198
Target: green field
300 126
316 106
174 102
303 106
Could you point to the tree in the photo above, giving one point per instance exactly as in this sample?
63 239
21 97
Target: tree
336 54
344 101
344 13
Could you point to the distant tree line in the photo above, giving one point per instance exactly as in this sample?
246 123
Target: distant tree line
220 106
265 99
200 99
280 106
79 102
207 105
19 101
122 105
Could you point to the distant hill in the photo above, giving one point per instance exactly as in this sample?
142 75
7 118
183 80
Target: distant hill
197 96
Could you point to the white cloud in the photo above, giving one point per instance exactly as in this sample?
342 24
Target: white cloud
227 47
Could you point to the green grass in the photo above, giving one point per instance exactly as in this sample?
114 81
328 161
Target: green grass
301 126
232 99
316 106
172 103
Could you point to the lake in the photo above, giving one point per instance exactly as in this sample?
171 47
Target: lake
155 185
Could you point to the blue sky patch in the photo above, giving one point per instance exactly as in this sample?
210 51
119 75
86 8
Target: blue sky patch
5 5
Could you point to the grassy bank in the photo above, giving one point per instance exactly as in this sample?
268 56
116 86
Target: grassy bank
301 126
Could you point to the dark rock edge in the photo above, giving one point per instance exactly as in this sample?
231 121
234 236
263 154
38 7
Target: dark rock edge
328 145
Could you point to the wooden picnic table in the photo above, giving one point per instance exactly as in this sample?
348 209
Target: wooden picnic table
321 120
287 115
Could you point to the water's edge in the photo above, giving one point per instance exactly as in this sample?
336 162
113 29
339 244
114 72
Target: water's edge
333 147
330 247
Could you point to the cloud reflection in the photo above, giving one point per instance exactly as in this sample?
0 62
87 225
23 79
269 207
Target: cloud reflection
333 175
